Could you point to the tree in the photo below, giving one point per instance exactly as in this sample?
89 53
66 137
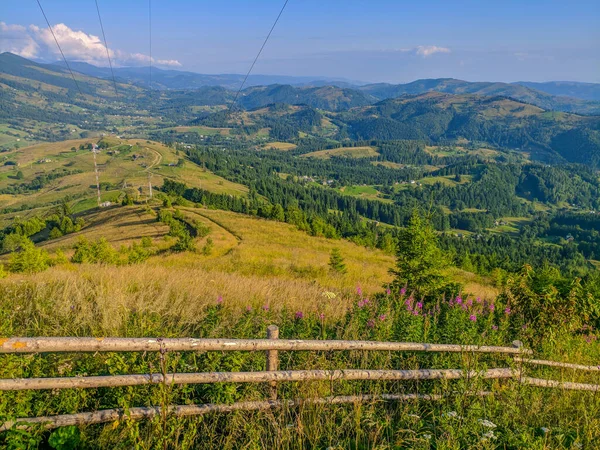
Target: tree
20 175
419 260
277 213
336 261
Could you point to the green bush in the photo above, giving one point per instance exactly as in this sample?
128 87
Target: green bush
29 259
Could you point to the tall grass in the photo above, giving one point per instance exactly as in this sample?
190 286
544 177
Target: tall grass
146 300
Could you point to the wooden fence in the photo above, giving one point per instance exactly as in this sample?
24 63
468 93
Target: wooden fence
272 345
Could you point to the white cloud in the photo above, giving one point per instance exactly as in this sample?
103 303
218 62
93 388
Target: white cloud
15 39
428 50
36 42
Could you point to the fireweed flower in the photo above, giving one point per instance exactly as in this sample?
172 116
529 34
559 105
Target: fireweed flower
420 305
322 316
248 308
220 299
473 318
459 300
299 315
507 311
371 323
495 327
492 307
265 307
358 290
403 291
387 291
382 317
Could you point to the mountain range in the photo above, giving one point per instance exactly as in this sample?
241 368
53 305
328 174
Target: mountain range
439 111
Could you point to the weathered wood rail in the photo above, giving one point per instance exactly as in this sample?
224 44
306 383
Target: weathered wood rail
272 375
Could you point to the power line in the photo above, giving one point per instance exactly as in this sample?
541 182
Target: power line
150 41
106 46
256 59
58 45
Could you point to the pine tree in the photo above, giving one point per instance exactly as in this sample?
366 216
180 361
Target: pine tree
419 260
336 262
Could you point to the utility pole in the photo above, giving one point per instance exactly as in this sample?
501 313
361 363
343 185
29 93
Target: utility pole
97 179
150 184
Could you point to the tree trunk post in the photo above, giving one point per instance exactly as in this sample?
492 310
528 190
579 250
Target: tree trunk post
273 359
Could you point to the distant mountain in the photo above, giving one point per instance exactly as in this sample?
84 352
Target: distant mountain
516 91
20 72
176 79
585 91
499 121
331 98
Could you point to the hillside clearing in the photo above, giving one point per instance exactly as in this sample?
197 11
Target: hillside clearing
349 152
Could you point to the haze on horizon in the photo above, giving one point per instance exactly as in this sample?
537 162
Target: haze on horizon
383 41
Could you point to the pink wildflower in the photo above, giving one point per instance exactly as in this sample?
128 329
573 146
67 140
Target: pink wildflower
220 299
507 310
265 307
322 316
473 318
387 291
248 308
459 300
495 327
420 305
492 307
358 290
299 315
382 317
371 323
403 291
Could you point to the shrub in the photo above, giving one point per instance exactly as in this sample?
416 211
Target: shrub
29 259
208 247
55 233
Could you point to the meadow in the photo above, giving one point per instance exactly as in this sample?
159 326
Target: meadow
262 272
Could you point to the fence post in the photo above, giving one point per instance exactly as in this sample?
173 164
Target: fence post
273 358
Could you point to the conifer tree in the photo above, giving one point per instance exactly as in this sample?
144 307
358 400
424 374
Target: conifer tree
419 260
336 261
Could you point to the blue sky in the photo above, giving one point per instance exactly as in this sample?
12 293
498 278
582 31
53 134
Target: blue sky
393 41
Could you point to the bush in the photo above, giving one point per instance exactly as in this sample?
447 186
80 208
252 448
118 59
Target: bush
208 247
95 252
29 259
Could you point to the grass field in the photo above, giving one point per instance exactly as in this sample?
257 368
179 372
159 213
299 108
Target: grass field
129 170
285 146
368 192
206 131
350 152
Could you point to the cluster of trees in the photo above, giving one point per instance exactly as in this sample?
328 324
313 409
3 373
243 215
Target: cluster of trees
60 222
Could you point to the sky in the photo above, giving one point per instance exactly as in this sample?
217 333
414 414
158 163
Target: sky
370 41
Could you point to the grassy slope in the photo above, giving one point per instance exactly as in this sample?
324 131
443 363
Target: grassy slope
114 169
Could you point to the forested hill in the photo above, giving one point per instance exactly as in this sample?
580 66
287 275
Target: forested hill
499 121
580 98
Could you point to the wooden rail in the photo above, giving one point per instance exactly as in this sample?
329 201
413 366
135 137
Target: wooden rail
86 344
140 413
564 365
272 375
21 384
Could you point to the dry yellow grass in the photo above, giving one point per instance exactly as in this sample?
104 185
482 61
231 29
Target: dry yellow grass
104 296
